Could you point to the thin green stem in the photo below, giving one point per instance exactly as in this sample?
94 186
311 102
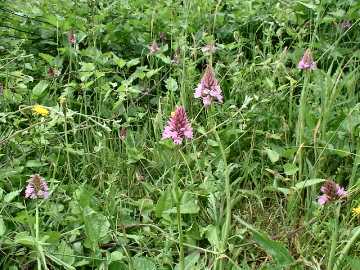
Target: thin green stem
334 237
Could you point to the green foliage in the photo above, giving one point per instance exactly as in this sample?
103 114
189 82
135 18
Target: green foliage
242 194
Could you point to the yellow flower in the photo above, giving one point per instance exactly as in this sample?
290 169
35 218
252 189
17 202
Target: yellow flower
40 110
356 211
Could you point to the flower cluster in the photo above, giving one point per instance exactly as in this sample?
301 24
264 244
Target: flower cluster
208 88
178 127
307 61
331 192
37 188
154 48
40 110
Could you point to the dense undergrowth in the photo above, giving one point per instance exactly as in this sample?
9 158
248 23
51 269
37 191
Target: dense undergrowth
87 88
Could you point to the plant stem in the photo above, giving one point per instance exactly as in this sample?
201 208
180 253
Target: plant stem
334 236
301 126
181 240
227 223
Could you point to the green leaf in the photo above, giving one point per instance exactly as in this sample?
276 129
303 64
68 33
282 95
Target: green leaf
308 183
25 239
65 253
142 263
11 195
273 155
34 164
2 227
133 62
290 169
212 235
86 71
275 249
171 84
96 225
164 203
39 89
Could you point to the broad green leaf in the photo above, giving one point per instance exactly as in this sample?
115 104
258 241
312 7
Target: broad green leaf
164 203
34 164
96 225
25 239
133 62
142 263
11 196
212 234
86 71
273 155
190 261
290 169
39 89
65 253
171 84
308 183
275 249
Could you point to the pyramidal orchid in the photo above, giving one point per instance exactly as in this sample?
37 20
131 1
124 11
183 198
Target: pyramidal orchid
208 89
178 127
307 61
37 188
331 192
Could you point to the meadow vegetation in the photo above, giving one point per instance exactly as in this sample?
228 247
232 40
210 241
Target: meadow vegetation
194 134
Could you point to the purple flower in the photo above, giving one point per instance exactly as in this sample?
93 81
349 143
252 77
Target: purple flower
37 188
345 25
154 47
323 199
307 61
331 191
178 127
208 88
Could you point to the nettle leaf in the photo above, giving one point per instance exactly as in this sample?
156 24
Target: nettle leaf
39 89
142 263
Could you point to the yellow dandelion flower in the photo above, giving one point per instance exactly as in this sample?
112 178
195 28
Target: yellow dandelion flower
40 110
356 211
